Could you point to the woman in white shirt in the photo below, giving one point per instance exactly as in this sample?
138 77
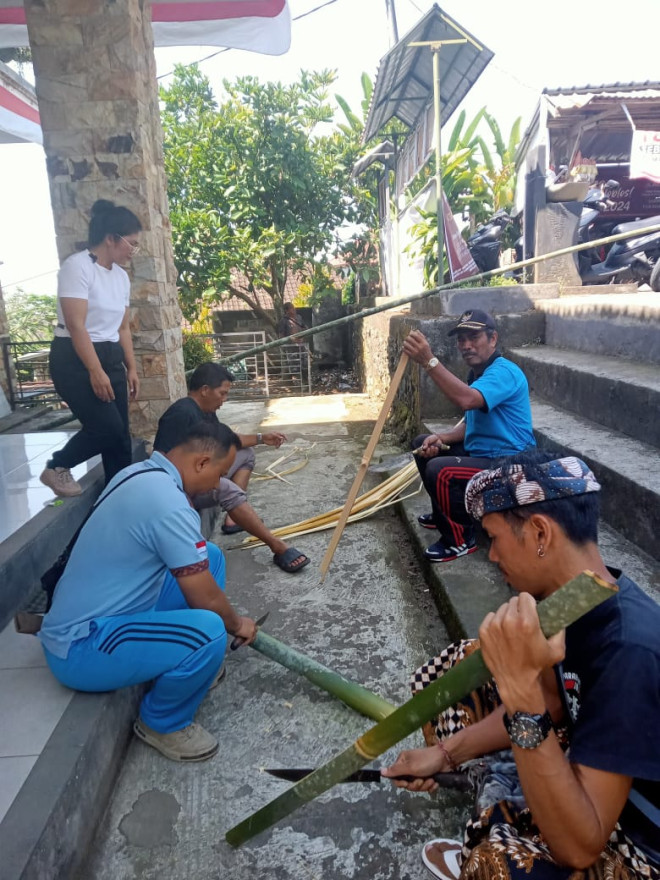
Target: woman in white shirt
91 358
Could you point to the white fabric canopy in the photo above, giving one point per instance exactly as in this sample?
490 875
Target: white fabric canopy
256 25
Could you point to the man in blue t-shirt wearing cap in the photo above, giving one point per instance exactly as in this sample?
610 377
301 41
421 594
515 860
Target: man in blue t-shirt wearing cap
497 423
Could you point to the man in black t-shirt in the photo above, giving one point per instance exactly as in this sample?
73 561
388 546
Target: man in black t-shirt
566 743
208 389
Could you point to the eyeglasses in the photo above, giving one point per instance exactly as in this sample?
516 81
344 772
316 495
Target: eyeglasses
135 248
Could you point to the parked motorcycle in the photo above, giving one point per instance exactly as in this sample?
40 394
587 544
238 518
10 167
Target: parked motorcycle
485 243
632 259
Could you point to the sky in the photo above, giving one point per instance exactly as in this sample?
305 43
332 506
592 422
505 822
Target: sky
536 46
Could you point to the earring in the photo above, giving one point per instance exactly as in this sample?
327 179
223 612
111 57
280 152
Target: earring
540 551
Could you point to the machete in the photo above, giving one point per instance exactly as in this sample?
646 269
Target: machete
458 781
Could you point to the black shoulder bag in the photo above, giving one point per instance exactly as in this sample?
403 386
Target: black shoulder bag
50 578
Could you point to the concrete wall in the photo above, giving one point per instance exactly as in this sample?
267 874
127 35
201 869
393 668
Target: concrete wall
378 341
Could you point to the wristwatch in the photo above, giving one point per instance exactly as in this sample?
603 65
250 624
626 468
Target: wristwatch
528 731
260 439
432 363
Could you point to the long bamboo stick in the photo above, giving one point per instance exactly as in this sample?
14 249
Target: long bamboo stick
349 692
558 611
364 464
402 301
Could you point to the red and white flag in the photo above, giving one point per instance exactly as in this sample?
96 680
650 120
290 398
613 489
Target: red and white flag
19 117
461 262
256 25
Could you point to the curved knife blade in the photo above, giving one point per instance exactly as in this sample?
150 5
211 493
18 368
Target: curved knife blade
458 781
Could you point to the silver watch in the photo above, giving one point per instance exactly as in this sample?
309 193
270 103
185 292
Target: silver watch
432 363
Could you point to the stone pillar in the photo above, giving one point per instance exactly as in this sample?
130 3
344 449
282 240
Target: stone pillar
96 83
557 226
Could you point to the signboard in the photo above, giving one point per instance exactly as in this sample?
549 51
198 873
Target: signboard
631 198
645 155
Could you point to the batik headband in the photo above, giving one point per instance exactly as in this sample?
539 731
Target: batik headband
496 490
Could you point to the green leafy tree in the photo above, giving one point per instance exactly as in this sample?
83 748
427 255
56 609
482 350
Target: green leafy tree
256 192
31 316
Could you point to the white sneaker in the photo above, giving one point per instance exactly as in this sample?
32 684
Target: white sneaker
442 857
61 482
192 743
220 675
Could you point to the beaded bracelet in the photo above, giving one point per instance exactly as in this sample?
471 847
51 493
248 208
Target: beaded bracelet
453 766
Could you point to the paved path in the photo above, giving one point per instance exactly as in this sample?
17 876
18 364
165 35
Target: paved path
372 620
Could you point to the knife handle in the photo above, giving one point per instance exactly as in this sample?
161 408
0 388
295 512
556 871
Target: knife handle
459 781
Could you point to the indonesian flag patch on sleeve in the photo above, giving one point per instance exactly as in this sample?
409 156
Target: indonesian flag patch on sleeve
200 546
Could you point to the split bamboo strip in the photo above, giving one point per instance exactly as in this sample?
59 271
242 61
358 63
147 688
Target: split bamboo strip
297 450
384 494
558 611
350 693
365 514
364 464
280 474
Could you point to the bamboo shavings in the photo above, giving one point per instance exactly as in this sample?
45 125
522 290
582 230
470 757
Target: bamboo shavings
272 474
384 495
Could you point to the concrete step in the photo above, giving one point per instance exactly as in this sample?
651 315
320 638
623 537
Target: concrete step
468 588
504 300
618 394
625 325
627 469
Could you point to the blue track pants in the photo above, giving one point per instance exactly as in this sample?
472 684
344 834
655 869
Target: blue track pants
181 648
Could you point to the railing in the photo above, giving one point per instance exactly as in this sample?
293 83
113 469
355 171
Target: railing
266 374
284 370
26 366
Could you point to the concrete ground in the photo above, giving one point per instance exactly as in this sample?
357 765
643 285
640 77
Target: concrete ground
373 620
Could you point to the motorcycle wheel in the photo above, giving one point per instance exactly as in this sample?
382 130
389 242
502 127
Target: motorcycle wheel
654 281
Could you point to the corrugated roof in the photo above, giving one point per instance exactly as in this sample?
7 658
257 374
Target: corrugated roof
234 304
609 88
404 82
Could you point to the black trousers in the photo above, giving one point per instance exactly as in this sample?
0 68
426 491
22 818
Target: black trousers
445 477
104 425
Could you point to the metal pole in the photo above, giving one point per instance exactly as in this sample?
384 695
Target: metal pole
391 22
438 161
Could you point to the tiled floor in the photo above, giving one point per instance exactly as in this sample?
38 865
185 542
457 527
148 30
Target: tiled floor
22 459
32 703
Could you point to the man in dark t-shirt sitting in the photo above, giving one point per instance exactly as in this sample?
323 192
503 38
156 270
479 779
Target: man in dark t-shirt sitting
564 745
208 389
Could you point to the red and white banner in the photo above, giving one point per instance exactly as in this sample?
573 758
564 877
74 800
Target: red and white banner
256 25
19 117
645 155
461 262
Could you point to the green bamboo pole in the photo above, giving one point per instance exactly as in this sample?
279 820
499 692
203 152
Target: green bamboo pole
559 610
350 693
396 303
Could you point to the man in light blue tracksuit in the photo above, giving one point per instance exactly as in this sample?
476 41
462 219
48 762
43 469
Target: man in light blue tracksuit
142 598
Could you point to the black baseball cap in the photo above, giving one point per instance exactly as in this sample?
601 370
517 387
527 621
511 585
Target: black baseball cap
474 319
